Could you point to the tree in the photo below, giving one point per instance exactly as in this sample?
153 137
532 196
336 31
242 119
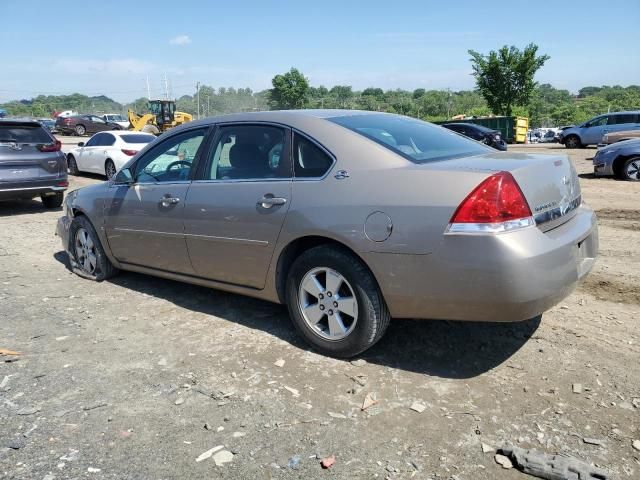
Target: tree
505 78
289 90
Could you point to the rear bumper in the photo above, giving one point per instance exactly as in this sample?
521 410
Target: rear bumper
31 189
499 278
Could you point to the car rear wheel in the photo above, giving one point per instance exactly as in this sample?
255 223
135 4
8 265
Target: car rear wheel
72 166
109 169
80 130
572 141
52 201
631 169
335 303
88 257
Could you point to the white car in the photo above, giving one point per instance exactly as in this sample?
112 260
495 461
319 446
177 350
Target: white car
106 152
116 118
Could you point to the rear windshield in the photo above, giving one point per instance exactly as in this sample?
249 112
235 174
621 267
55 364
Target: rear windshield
417 141
137 138
23 134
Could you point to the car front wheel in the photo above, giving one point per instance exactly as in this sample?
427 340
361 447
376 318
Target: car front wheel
631 169
572 141
335 302
88 257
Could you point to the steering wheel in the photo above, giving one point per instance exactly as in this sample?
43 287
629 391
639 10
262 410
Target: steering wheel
176 163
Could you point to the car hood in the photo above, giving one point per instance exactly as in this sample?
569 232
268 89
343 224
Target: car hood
632 144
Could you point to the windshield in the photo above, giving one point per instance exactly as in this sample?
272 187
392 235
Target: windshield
115 118
415 140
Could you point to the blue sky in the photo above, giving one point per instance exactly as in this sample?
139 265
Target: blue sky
109 47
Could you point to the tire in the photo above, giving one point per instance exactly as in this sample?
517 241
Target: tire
572 141
72 166
363 320
52 201
80 130
631 169
109 169
84 245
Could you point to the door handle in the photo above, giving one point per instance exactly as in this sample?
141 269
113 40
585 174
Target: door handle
167 201
269 201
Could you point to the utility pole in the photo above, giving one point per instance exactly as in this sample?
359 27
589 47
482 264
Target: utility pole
148 89
198 98
166 87
208 106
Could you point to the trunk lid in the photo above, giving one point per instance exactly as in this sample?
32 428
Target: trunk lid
549 183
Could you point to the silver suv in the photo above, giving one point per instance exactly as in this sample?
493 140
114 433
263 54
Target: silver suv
31 163
591 132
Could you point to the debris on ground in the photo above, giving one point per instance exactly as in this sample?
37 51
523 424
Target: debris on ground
359 362
208 453
418 407
179 401
487 448
222 457
16 443
328 462
294 462
28 410
592 441
552 467
636 444
279 363
369 401
4 351
503 460
577 388
293 391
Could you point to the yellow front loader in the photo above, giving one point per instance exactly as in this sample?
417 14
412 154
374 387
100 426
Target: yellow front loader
163 116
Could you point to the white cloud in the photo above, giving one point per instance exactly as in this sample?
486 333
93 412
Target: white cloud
180 40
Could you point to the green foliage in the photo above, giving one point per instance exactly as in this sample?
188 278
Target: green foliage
289 90
505 78
45 105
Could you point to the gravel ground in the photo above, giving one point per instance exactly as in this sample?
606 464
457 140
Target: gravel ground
136 377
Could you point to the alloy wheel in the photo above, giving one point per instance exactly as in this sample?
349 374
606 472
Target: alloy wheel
110 170
86 255
328 303
633 170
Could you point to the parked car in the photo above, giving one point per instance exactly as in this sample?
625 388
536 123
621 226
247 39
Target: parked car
31 163
490 137
591 132
84 124
48 124
116 118
106 152
550 136
615 137
621 159
348 217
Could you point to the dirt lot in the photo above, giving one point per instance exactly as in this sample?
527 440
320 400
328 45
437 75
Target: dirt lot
136 377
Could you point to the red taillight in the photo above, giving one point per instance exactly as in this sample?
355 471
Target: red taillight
130 153
51 147
63 183
497 199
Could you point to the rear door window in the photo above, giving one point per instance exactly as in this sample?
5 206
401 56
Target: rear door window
622 119
107 140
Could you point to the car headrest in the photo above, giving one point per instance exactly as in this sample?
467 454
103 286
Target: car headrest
246 155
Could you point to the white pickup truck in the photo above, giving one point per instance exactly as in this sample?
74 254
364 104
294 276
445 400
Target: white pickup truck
116 118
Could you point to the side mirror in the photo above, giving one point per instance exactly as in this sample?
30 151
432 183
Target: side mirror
123 177
81 144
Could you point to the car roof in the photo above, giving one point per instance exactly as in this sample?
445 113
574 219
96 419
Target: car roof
616 113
